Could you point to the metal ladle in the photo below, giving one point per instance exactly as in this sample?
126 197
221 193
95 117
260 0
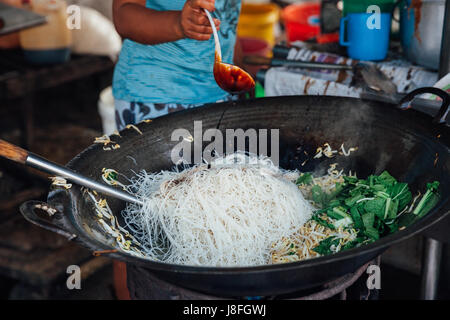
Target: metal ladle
229 77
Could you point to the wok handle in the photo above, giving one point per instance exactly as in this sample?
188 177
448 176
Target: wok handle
443 110
50 219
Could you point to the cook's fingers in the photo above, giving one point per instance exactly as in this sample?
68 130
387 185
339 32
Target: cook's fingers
216 22
201 29
198 36
200 19
203 4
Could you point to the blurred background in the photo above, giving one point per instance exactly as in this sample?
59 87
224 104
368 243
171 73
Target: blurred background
55 98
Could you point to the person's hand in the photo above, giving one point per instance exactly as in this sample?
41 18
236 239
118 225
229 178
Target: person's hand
194 23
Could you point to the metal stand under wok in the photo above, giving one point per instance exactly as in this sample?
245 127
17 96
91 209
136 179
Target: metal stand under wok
431 259
156 289
431 262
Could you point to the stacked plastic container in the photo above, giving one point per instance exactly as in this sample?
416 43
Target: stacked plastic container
49 43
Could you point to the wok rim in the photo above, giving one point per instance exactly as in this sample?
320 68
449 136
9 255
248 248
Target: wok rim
436 215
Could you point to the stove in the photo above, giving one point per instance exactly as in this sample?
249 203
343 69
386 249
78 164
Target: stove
351 286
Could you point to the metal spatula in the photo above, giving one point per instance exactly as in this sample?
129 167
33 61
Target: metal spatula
17 154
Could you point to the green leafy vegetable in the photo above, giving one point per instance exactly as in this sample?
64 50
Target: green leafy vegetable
324 246
305 178
112 176
407 219
429 199
372 233
353 244
352 200
372 206
322 222
390 209
337 213
319 196
356 216
368 219
375 206
341 216
385 179
400 192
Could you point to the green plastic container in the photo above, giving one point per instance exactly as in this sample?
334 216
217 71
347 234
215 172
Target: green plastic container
360 6
259 90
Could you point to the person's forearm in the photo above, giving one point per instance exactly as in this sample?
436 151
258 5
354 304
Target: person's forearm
147 26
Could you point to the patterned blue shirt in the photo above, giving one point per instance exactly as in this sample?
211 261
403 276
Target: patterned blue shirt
176 72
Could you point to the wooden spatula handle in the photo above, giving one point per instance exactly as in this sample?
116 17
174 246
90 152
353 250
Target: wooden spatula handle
13 152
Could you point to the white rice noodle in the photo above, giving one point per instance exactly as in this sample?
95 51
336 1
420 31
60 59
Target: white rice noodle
228 215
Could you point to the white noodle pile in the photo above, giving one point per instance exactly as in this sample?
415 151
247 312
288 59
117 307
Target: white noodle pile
227 215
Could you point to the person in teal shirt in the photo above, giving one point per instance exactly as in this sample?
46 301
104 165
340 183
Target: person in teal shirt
166 63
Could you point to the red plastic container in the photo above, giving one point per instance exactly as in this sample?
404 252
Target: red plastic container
254 47
302 21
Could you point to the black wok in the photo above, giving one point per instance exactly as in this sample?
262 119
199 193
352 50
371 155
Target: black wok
406 143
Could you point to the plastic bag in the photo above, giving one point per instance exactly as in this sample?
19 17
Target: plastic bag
102 6
97 35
